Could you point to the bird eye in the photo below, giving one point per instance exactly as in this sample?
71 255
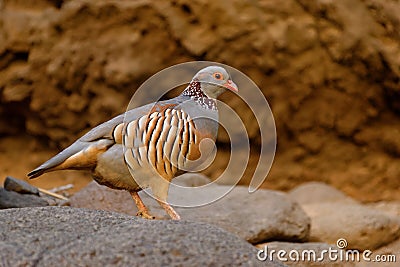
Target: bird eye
218 75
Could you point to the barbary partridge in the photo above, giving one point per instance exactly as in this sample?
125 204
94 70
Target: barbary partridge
149 145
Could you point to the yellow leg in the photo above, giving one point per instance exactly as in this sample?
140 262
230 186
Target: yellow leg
142 209
170 211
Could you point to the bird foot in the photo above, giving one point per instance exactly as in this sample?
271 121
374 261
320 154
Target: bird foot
145 215
170 211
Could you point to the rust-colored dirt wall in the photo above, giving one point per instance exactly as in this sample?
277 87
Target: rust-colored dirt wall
330 70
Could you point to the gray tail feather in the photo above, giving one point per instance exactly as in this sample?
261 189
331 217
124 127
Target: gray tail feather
56 160
36 173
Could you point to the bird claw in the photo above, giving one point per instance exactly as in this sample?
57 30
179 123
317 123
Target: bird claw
145 215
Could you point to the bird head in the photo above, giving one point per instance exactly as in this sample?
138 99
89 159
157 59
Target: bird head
214 80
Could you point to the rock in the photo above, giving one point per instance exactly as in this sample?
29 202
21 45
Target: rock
192 180
64 236
362 227
95 196
391 208
387 255
257 217
260 216
19 186
303 254
318 192
10 199
98 197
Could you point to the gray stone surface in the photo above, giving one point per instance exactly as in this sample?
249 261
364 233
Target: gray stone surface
11 199
257 217
19 186
304 254
318 192
390 252
64 236
391 208
95 196
192 180
362 227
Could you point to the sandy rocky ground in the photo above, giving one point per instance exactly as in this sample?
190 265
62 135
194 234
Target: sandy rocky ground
313 216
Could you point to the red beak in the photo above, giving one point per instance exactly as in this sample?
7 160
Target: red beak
230 85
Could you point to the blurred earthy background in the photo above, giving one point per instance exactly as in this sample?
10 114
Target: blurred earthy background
329 69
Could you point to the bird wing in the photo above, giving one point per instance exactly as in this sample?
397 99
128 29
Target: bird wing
82 154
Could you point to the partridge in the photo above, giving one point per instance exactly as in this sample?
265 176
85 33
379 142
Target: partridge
148 146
